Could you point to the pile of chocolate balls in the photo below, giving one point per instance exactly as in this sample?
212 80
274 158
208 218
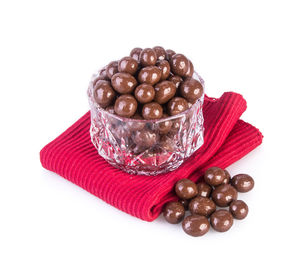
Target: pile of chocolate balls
217 189
151 83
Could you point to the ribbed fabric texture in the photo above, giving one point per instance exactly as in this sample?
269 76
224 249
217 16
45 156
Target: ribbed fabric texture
226 140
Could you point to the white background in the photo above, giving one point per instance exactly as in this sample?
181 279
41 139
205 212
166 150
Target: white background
52 229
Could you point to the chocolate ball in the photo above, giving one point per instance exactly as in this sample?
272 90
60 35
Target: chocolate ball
177 105
164 91
135 53
152 111
204 189
242 182
176 80
238 209
224 194
190 70
221 220
227 178
112 69
104 93
165 69
173 212
135 125
128 65
145 138
149 75
191 89
185 203
165 126
179 64
144 93
202 206
195 225
123 83
148 57
170 54
186 189
160 52
102 74
125 106
214 176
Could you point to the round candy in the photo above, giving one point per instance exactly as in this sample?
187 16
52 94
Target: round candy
145 138
204 189
202 206
123 83
185 203
165 69
102 74
214 176
152 111
135 53
176 80
112 69
104 93
125 106
221 220
224 194
148 57
160 52
128 65
170 54
165 126
174 212
149 75
135 125
186 189
190 70
238 209
191 89
144 93
195 225
227 178
164 91
179 64
242 182
177 105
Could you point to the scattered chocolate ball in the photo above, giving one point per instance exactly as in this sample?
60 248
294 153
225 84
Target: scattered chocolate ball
202 206
186 189
221 220
104 93
145 138
177 105
164 91
227 179
214 176
176 80
144 93
165 69
160 52
191 89
224 194
179 64
128 65
148 57
238 209
195 225
125 106
135 53
152 111
149 75
174 212
170 54
165 126
204 189
185 203
112 69
242 182
123 83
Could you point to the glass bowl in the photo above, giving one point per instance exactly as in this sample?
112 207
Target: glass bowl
146 147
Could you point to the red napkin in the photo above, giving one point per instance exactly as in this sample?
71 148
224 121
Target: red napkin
226 140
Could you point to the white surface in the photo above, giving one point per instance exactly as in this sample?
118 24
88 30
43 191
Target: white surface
51 229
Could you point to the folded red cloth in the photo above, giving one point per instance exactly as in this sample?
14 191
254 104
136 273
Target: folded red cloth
226 140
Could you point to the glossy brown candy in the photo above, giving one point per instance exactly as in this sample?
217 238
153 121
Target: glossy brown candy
227 178
177 105
242 182
164 91
112 69
149 75
102 74
224 194
165 126
176 80
135 125
125 106
179 64
202 206
238 209
123 83
221 220
144 93
135 53
186 189
160 52
145 138
170 54
104 93
195 225
214 176
204 189
190 70
128 65
148 57
173 212
191 89
165 69
152 111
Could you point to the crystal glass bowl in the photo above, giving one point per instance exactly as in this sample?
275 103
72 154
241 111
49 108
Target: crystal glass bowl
146 147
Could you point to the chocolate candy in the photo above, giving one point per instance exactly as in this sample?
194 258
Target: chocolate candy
204 189
195 225
174 212
165 126
185 203
214 176
243 182
224 194
191 89
135 125
164 91
179 64
123 83
170 54
238 209
152 111
144 93
167 144
104 93
102 74
128 65
148 57
145 138
186 189
112 69
190 70
221 220
149 75
165 69
125 106
202 206
135 53
160 52
177 105
227 178
176 80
